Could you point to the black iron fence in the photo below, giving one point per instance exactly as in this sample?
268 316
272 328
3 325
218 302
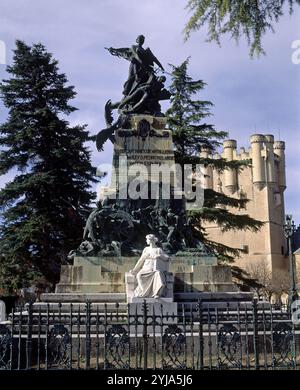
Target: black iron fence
248 335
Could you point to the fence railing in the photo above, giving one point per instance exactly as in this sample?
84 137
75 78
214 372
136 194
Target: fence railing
247 335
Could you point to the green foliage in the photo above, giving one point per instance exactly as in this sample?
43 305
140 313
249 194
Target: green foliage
43 208
190 135
249 18
185 115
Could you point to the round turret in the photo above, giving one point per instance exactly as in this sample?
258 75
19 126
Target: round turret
258 165
270 163
279 150
230 175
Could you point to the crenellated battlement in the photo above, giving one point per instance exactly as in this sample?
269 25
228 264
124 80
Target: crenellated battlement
263 183
267 167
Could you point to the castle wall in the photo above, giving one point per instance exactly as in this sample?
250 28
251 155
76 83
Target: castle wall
263 183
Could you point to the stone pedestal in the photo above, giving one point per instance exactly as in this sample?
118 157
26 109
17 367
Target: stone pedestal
155 147
192 273
162 312
217 278
95 275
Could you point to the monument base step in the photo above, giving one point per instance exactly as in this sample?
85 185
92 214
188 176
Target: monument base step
121 297
160 300
193 297
84 297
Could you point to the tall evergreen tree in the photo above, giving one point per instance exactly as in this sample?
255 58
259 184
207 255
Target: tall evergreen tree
186 117
248 18
44 206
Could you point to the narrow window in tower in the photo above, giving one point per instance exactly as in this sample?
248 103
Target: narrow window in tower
246 249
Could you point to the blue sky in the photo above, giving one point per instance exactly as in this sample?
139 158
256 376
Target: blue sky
250 96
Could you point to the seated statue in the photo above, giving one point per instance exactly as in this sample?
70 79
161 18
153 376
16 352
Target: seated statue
150 270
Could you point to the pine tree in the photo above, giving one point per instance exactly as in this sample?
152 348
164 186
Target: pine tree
249 18
45 205
186 118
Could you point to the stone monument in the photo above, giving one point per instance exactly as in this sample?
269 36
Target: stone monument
114 237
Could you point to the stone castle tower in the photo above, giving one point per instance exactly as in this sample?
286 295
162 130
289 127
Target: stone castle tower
263 184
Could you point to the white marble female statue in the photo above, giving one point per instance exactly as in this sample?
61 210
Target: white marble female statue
150 270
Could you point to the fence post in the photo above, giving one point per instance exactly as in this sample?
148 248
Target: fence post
105 338
145 335
201 339
255 335
12 338
29 337
71 336
88 335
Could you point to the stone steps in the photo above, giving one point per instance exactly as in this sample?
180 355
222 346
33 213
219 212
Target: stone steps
84 297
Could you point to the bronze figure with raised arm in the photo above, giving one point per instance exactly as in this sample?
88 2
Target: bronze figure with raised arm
141 64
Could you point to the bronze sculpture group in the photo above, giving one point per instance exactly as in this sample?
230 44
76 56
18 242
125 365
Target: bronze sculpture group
113 230
118 227
141 93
